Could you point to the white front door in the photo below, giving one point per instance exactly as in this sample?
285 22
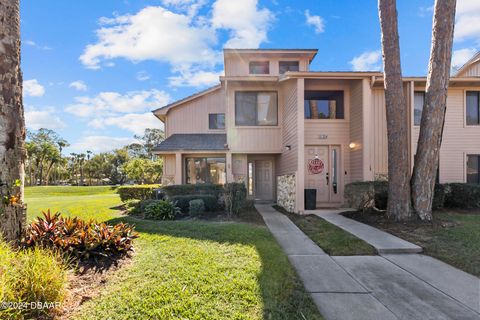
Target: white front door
264 180
322 173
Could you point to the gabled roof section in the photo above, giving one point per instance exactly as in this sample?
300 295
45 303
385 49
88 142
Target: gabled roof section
194 142
475 59
163 110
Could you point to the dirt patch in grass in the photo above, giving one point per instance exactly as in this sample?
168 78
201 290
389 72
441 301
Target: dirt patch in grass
332 239
86 281
453 236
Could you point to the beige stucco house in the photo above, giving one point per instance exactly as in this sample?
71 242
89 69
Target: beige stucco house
281 128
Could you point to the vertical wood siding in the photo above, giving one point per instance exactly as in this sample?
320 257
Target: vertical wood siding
192 116
356 131
380 145
471 71
239 66
288 161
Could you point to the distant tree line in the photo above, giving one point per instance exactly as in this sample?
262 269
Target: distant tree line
47 165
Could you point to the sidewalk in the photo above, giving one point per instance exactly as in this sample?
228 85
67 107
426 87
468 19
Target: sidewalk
375 287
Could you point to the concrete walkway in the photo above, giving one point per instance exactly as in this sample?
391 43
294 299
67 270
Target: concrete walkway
382 241
408 286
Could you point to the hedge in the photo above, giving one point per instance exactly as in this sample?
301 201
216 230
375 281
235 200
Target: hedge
365 195
183 201
235 197
189 189
137 192
462 195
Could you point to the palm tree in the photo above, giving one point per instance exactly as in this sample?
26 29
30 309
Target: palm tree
81 162
12 122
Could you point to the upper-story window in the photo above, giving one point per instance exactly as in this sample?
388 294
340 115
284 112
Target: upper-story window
418 102
284 66
255 108
324 105
216 120
259 67
473 108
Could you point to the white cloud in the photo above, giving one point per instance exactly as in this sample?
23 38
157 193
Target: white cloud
100 143
154 33
43 118
33 88
367 61
133 122
247 23
78 85
467 24
142 76
189 6
187 78
461 56
35 45
108 103
315 21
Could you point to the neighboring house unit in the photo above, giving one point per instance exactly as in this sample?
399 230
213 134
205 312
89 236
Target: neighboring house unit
281 128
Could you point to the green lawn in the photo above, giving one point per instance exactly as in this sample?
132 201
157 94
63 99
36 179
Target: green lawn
85 202
332 239
189 269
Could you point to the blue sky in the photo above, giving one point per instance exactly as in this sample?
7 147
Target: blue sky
93 70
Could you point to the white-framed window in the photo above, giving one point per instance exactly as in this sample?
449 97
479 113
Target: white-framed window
216 121
324 105
284 66
418 102
259 67
472 106
256 108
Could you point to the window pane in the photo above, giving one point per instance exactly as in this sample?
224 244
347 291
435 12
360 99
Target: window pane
267 109
245 108
259 67
216 121
472 169
196 170
216 170
285 66
324 105
418 101
472 108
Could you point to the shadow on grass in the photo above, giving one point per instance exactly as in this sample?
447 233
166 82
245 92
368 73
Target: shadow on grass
282 292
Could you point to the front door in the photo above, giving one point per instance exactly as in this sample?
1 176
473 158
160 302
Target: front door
263 180
322 173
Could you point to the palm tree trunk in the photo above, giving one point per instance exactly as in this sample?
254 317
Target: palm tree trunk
399 195
12 123
433 115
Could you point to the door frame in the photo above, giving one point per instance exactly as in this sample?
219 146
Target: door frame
252 159
341 176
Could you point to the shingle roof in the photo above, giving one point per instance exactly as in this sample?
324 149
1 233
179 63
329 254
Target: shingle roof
197 142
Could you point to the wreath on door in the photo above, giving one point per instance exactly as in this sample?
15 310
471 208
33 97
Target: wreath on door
315 166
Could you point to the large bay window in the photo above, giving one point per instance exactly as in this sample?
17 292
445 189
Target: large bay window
254 108
205 170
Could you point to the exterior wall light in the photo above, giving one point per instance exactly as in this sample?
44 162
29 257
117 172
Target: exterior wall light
352 145
288 147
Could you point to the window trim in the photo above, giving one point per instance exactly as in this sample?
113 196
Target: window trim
413 109
224 121
288 61
466 165
465 109
258 61
256 125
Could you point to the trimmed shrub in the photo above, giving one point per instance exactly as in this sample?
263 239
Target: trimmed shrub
462 195
193 189
235 196
32 275
137 207
439 196
79 239
137 192
161 210
183 201
196 207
